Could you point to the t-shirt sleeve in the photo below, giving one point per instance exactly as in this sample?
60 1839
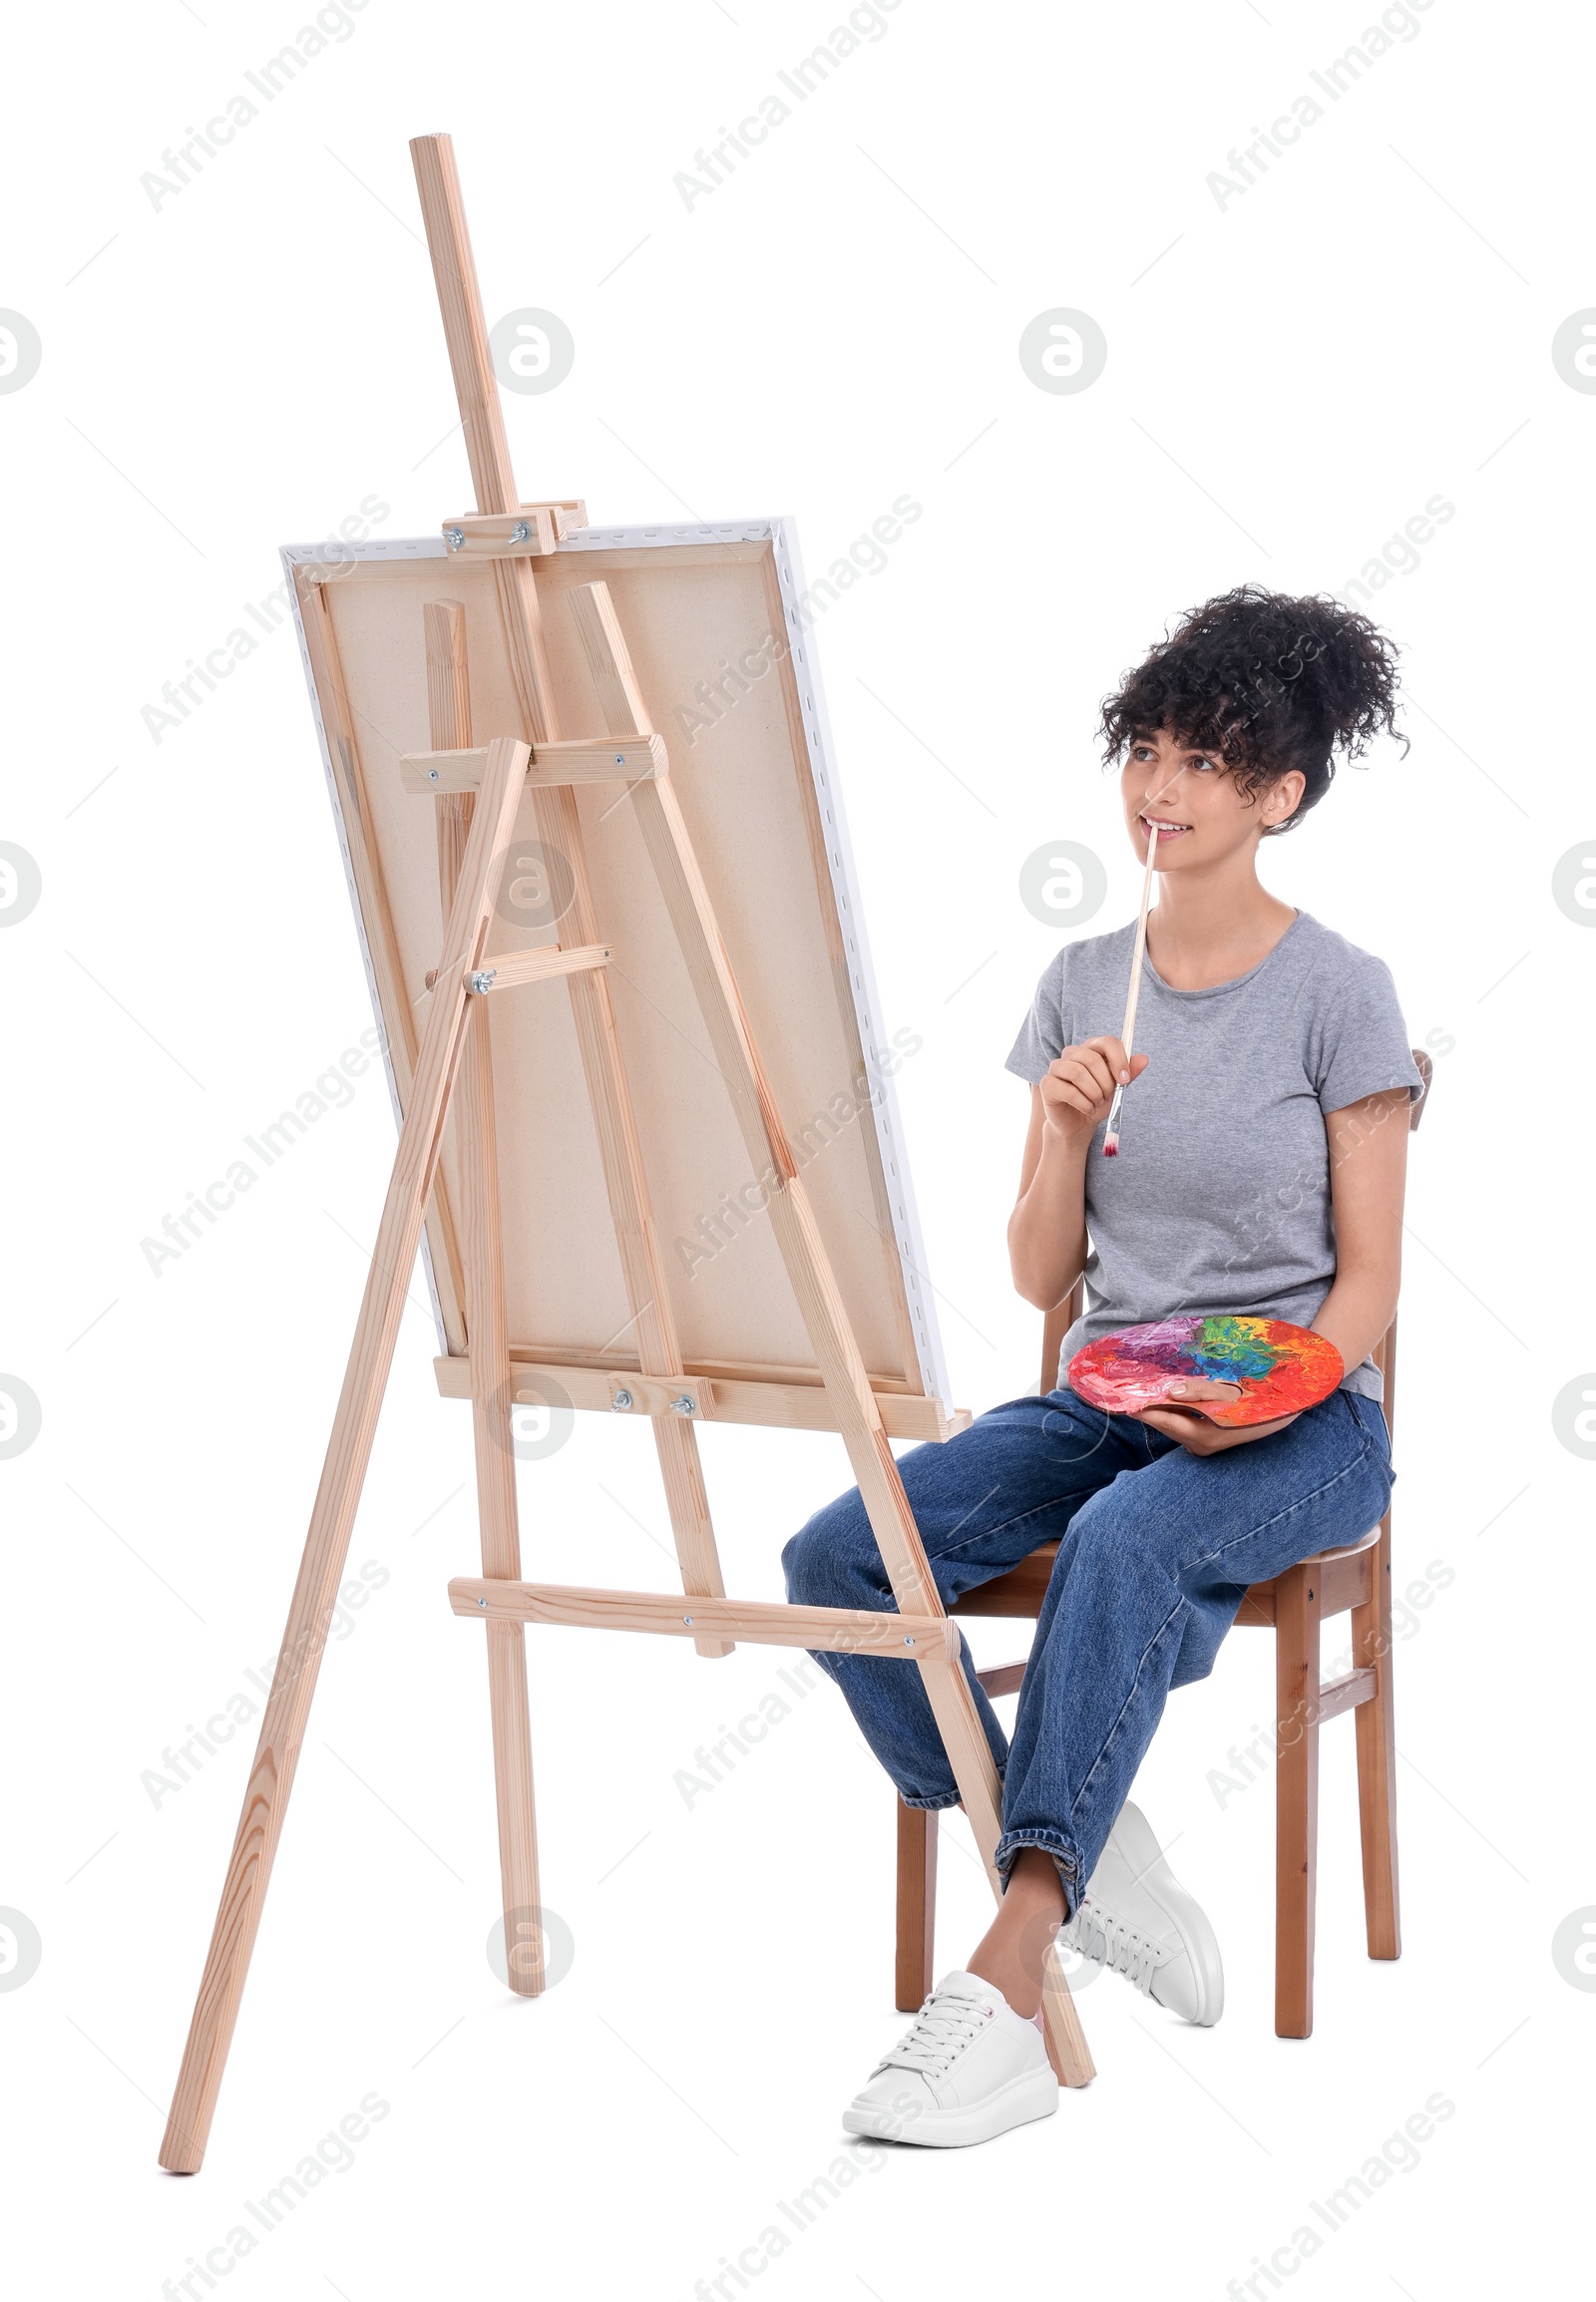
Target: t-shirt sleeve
1046 1032
1361 1044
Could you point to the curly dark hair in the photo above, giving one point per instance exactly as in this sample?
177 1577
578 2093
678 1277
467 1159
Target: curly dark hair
1268 684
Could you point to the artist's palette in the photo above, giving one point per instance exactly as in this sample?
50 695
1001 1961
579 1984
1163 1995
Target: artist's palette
1280 1368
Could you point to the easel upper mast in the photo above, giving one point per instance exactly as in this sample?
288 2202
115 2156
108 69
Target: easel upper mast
452 1073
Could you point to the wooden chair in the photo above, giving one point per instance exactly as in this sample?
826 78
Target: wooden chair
1295 1604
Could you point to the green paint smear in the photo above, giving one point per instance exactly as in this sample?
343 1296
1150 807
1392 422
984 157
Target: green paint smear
1234 1350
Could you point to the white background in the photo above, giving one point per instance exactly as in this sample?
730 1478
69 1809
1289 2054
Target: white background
1289 377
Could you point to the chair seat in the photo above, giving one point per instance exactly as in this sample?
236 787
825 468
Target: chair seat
1020 1592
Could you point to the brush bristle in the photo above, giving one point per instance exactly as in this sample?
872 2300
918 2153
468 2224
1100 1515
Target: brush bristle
1110 1146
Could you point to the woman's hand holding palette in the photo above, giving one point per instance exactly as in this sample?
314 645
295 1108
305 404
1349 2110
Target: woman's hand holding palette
1278 1368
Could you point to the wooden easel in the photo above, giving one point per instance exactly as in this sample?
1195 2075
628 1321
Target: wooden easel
479 791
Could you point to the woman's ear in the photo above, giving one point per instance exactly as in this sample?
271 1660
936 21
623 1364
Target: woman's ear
1283 799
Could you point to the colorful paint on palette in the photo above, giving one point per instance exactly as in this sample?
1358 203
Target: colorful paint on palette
1279 1368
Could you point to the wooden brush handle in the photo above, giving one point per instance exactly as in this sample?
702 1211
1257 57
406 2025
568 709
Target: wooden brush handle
1134 993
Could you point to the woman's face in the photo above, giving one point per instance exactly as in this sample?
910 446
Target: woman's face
1190 801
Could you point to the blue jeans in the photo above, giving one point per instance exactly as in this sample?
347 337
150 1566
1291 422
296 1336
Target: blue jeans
1156 1549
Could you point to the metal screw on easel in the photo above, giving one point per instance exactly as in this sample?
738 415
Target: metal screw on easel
454 537
687 1619
432 775
520 532
683 1406
909 1642
620 1403
481 979
481 1602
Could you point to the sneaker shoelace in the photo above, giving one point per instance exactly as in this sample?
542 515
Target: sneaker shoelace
939 2033
1101 1935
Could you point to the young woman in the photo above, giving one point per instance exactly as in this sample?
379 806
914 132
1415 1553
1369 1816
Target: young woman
1262 1171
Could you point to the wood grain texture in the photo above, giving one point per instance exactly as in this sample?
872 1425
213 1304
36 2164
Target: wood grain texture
443 629
585 760
1295 1796
597 560
914 1970
482 1255
1066 2042
1375 1723
1346 1578
282 1727
493 535
1017 1595
511 968
1345 1694
496 1496
839 1630
454 268
1001 1679
725 1397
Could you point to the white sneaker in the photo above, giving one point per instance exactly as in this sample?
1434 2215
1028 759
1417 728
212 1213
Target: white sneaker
1136 1919
968 2069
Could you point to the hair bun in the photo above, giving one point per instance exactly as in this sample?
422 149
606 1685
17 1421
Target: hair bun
1269 683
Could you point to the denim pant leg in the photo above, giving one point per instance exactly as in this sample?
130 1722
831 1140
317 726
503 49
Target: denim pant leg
983 1501
1147 1582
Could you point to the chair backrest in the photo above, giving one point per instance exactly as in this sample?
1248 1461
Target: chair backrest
1063 1316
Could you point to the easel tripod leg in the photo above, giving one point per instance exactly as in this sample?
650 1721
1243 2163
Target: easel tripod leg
487 1335
970 1756
493 1430
282 1729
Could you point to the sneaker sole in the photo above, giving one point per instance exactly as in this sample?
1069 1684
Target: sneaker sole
1032 2095
1140 1843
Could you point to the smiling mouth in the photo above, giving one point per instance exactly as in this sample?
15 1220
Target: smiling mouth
1161 828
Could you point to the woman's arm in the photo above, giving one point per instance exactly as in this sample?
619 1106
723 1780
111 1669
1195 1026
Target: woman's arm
1367 1177
1047 1230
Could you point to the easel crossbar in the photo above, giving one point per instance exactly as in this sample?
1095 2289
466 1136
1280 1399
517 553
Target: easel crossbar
512 968
584 759
835 1630
720 1399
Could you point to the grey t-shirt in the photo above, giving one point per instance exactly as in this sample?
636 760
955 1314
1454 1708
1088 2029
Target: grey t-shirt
1219 1200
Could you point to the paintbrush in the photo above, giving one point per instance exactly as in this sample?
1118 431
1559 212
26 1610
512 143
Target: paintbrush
1111 1131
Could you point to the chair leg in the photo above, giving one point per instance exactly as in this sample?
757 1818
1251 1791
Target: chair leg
917 1905
1297 1609
1376 1760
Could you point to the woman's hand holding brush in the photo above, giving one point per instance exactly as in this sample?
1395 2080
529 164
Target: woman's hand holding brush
1079 1086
